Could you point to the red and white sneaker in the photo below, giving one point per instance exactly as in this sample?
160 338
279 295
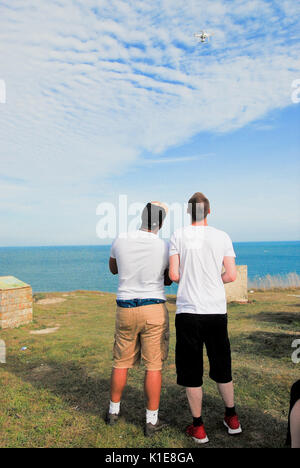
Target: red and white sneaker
197 433
233 424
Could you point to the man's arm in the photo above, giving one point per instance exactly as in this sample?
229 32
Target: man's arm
174 272
113 266
229 274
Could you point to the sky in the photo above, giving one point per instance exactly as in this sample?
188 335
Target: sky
116 97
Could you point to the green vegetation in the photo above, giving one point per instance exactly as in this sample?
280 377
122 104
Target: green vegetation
56 392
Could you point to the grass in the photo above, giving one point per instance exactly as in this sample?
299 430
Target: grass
56 392
288 281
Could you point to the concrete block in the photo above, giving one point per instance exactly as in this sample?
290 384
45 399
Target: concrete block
15 302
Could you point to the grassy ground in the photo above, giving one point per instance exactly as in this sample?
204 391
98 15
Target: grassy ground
55 393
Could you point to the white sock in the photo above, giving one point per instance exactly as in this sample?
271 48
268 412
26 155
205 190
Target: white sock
114 408
151 416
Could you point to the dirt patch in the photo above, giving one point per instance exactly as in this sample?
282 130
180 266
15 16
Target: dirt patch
50 301
45 331
40 371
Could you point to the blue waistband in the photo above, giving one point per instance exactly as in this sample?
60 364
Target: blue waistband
138 302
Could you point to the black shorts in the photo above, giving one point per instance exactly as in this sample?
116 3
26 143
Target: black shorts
192 332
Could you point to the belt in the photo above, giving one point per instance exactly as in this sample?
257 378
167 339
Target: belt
139 302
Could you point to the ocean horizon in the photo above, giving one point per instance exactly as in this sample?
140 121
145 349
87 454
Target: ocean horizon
85 267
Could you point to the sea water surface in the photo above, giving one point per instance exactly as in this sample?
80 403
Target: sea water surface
86 267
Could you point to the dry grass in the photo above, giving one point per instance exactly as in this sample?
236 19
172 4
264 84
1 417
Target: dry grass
291 280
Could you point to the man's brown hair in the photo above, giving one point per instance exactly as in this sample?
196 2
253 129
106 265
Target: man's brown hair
198 207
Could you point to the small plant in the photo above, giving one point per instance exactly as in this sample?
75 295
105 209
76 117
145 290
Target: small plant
38 296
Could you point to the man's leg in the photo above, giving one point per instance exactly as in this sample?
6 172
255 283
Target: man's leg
194 396
153 381
152 387
189 359
189 368
117 385
154 321
118 382
126 354
227 393
196 430
219 355
231 420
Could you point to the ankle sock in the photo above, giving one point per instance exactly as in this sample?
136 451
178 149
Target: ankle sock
230 411
151 416
114 408
197 422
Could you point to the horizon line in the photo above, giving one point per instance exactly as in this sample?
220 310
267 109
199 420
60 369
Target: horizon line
108 245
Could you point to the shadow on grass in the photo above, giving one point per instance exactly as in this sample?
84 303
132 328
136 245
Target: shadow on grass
278 317
90 395
262 343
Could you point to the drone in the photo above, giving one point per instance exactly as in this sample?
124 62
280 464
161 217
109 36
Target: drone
202 36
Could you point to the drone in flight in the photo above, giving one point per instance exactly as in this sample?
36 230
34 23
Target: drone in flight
202 36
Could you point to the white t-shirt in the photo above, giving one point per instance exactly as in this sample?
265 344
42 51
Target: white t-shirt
142 258
202 250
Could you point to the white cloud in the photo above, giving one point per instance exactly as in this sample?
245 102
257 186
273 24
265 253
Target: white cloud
92 84
171 160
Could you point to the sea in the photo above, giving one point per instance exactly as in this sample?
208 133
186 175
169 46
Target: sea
72 268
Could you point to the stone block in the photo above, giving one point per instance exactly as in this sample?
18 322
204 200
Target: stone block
15 302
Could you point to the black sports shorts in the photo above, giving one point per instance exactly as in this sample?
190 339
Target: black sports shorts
192 332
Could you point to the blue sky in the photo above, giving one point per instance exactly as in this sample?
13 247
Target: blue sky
116 97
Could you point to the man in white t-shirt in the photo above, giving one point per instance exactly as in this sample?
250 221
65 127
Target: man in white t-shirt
198 254
141 260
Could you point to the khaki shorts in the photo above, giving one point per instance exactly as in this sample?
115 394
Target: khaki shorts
141 333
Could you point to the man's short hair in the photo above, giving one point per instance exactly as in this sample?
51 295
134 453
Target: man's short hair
198 207
153 215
